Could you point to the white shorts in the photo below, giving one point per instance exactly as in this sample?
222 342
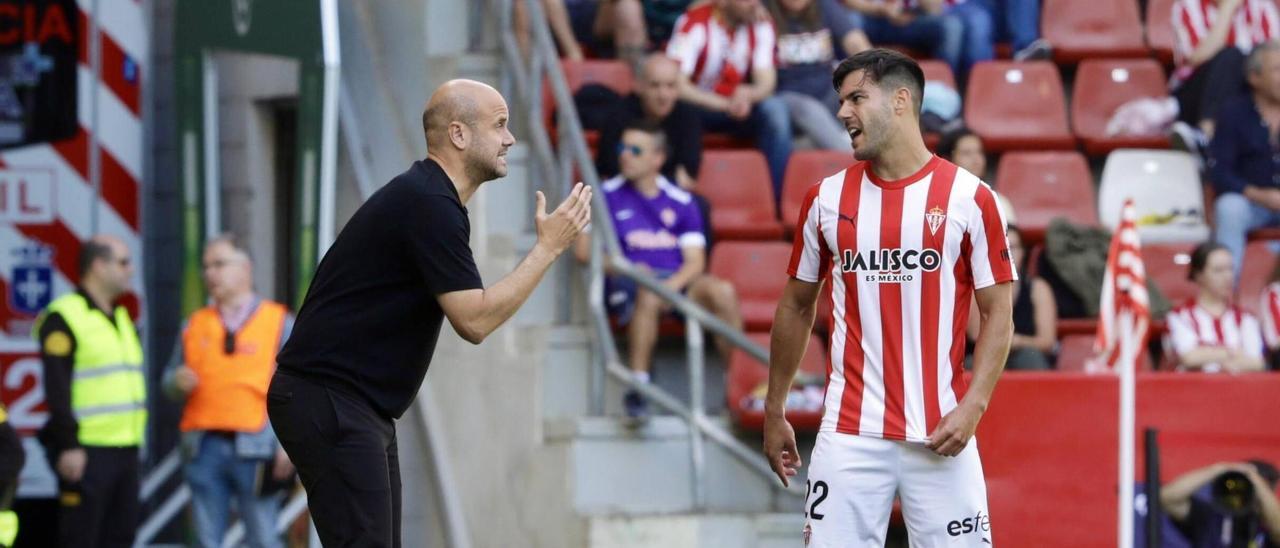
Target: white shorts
852 481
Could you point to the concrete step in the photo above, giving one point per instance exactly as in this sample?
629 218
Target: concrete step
619 469
764 530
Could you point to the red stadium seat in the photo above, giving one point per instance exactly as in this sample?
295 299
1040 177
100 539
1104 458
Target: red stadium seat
1045 185
1074 351
745 375
1255 274
1100 88
612 73
805 169
758 272
1167 264
938 71
1160 36
1018 106
736 182
1102 28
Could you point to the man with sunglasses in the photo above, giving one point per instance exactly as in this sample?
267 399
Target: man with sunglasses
660 229
95 390
222 369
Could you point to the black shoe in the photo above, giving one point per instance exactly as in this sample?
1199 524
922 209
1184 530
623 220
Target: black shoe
636 406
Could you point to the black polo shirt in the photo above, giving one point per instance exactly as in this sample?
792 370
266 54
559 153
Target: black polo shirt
370 320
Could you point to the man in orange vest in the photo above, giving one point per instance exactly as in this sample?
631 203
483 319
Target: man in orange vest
228 354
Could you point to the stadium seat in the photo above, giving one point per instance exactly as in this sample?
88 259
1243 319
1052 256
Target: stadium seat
1101 87
721 141
736 182
1160 29
805 169
745 375
1045 185
758 272
612 73
1165 187
1255 274
1074 351
1014 105
1166 264
938 71
1102 28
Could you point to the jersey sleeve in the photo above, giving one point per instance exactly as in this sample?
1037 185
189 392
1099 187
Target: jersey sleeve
989 255
806 249
686 44
689 226
1251 336
437 242
1270 309
1182 332
766 41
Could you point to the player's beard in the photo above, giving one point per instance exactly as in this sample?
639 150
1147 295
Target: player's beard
875 133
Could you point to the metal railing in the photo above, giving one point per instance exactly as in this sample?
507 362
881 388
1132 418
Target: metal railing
557 165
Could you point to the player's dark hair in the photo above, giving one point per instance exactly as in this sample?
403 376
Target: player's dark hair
1200 257
887 68
947 145
91 252
652 128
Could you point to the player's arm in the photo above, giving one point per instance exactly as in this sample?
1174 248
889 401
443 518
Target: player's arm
475 313
995 306
1175 496
792 323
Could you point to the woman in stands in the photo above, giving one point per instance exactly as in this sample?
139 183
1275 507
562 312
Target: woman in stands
1035 315
1209 333
965 149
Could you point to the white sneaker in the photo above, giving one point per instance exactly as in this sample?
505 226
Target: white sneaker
1184 136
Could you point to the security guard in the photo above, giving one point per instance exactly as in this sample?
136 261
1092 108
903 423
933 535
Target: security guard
227 357
96 393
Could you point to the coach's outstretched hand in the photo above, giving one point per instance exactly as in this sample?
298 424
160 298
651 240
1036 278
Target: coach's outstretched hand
954 430
558 230
780 448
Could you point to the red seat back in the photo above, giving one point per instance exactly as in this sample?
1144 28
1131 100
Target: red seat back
758 272
745 375
1017 105
1167 264
938 71
1101 28
736 182
805 169
1160 36
1101 87
1045 185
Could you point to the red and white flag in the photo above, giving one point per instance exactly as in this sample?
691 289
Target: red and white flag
1124 312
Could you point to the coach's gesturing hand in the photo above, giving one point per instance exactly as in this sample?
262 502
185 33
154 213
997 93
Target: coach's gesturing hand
954 430
558 230
780 448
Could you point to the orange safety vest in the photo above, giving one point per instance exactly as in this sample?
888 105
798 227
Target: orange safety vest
232 390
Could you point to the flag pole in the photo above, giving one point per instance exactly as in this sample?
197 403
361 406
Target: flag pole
1128 359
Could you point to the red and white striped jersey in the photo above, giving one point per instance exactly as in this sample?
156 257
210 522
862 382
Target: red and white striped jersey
717 58
1270 310
1255 22
1191 326
904 258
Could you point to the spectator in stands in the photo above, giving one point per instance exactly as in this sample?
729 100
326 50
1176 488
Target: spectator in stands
656 99
1226 504
1209 333
964 148
914 24
1018 23
1213 36
561 28
726 57
810 33
660 230
1243 156
1035 315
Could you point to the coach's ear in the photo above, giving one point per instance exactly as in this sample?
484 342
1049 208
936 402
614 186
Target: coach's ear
459 135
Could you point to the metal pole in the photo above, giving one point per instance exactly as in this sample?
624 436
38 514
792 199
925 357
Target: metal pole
1128 352
212 169
1152 489
95 161
693 336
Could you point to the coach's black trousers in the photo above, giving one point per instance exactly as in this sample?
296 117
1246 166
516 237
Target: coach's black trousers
346 457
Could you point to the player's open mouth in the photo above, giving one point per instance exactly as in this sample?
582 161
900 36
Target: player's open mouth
854 133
